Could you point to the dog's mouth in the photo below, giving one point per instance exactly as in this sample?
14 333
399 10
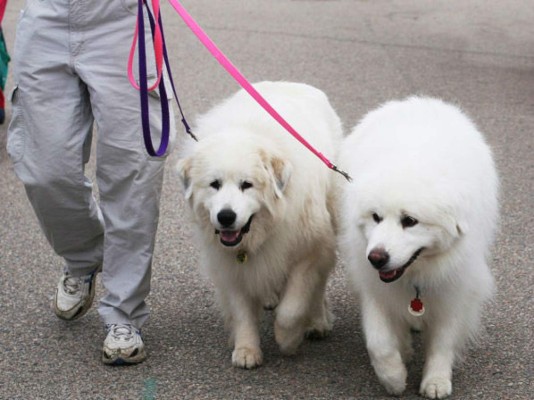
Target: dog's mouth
231 238
393 275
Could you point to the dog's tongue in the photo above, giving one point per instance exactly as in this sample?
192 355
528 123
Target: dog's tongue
229 236
387 274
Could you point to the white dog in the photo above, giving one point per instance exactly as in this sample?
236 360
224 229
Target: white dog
417 224
262 206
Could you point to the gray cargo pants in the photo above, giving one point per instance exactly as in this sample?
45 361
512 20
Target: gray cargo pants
70 60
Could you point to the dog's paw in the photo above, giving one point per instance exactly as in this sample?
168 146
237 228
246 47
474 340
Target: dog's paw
247 357
394 385
436 387
392 375
318 333
271 302
288 339
289 347
269 307
321 327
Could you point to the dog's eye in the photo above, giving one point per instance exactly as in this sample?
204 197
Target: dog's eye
216 184
408 222
377 218
246 185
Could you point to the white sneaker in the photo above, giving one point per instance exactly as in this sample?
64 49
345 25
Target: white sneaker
74 296
123 345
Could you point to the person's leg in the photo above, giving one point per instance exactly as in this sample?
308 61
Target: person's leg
48 141
49 135
129 181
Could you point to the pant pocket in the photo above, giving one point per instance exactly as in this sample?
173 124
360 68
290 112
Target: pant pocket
16 133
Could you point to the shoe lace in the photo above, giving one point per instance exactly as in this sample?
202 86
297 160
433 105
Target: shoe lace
121 331
72 284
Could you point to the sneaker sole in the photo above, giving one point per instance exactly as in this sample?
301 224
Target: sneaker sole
118 360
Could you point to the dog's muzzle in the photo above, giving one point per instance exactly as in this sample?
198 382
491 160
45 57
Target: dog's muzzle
231 238
389 276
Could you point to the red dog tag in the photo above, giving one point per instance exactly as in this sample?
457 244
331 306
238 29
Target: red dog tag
416 307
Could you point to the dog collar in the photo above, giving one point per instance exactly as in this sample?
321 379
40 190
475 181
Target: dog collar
416 306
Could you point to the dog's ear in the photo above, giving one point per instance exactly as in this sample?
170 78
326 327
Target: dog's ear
461 227
454 226
280 170
282 173
183 168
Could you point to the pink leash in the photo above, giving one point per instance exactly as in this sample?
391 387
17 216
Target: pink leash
238 76
158 49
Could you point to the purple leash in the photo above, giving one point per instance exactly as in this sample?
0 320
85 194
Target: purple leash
165 115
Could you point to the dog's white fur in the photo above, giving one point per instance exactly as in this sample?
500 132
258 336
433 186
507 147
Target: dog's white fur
419 158
247 163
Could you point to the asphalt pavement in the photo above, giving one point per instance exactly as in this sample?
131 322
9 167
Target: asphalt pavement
478 54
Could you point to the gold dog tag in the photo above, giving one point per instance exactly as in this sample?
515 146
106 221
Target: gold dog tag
241 257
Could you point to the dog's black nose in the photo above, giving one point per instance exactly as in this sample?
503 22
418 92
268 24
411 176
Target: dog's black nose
378 257
226 217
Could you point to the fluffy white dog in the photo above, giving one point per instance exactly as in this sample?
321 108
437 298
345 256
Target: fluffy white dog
417 224
262 207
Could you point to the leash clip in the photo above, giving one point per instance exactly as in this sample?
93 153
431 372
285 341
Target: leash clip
188 129
341 172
